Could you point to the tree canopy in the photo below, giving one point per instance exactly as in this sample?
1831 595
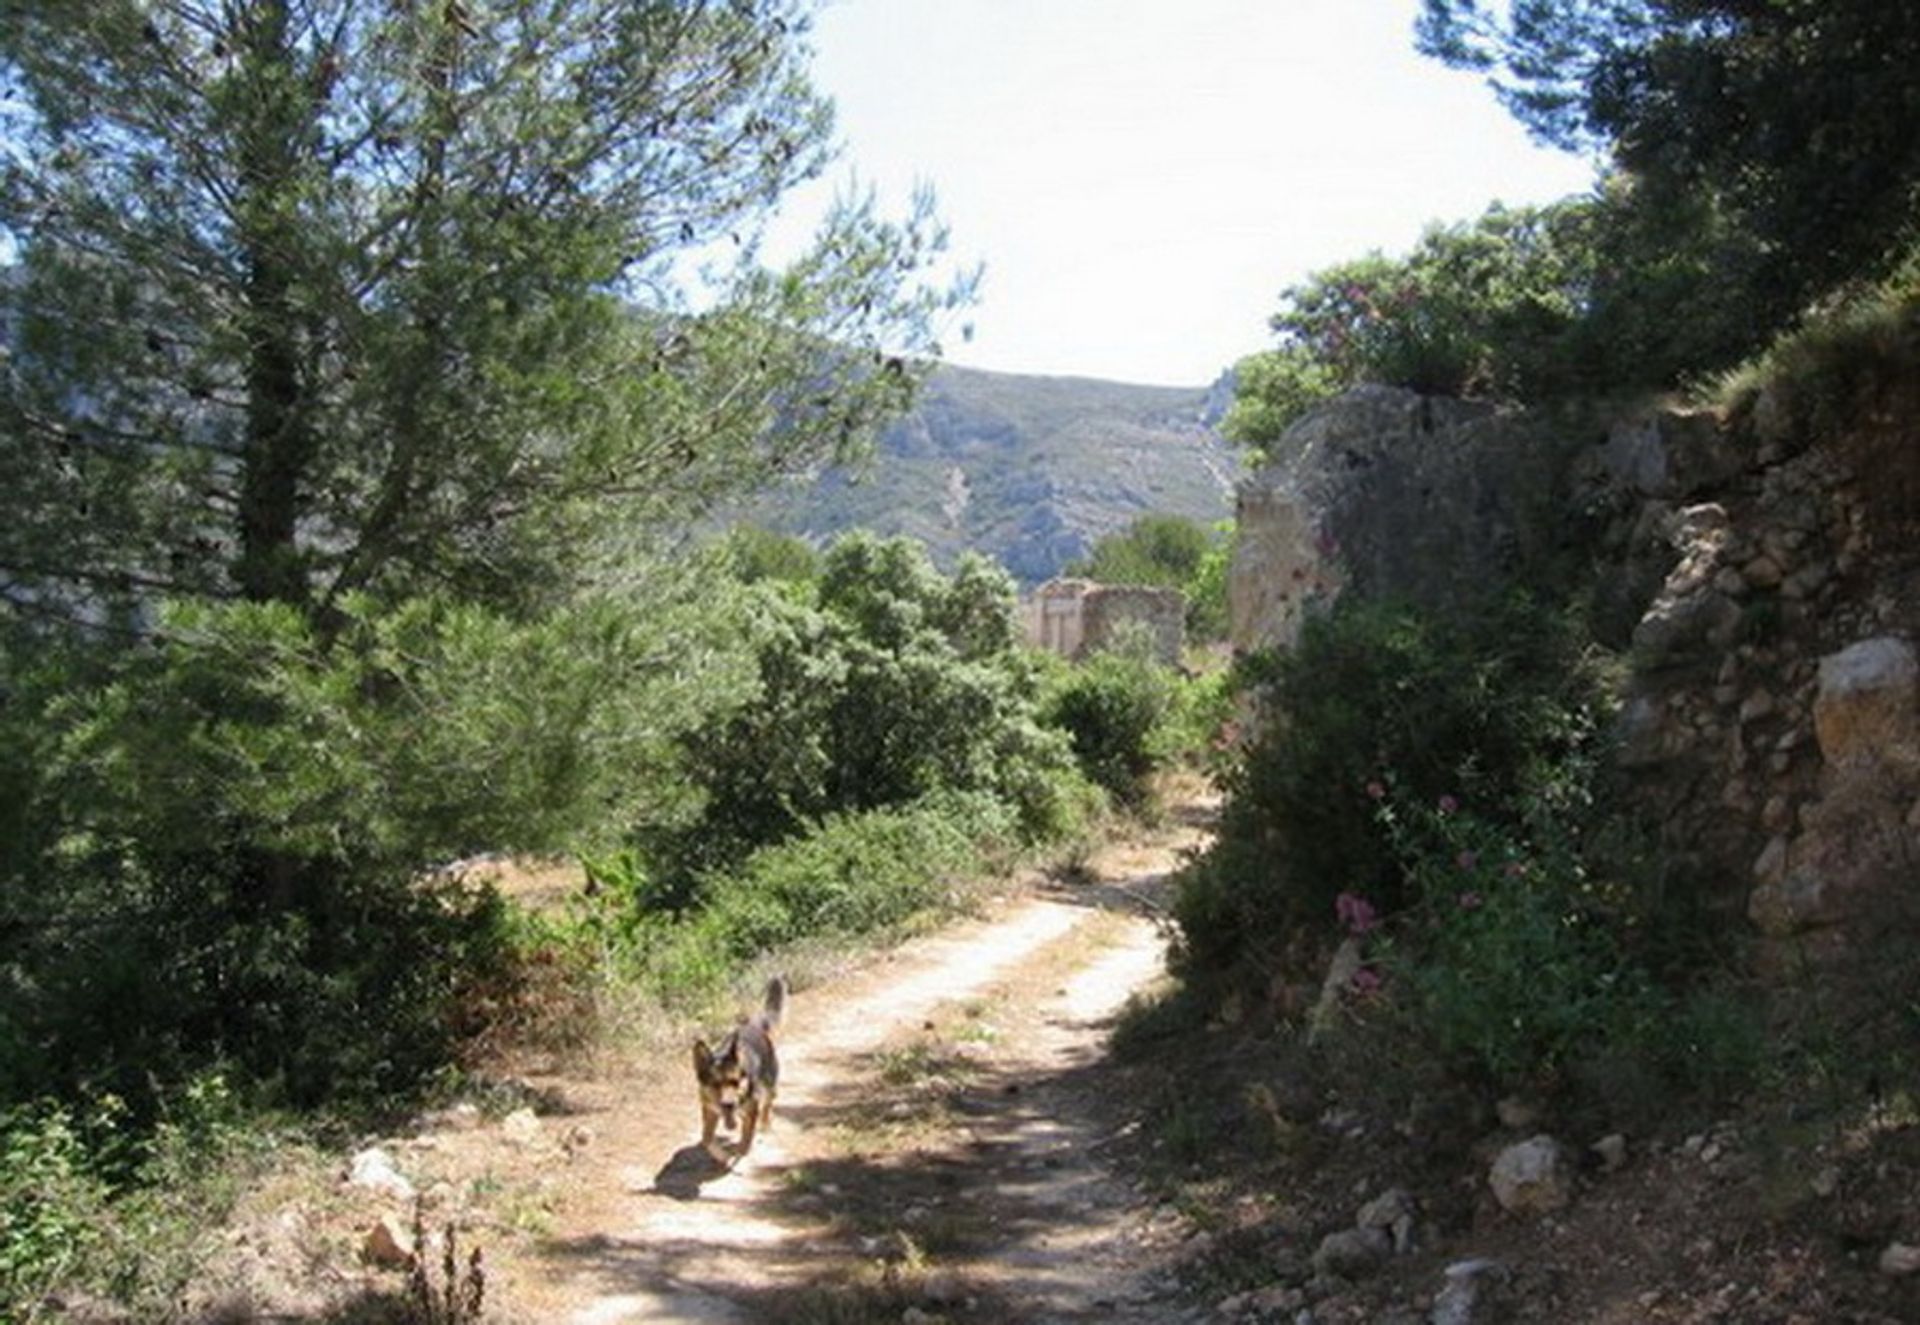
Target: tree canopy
322 296
1798 114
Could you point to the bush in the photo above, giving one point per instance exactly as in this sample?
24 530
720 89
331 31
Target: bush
1483 705
1617 292
897 684
1115 707
233 835
50 1204
88 1203
1510 950
851 875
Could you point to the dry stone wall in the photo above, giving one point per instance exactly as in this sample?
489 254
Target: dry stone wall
1761 578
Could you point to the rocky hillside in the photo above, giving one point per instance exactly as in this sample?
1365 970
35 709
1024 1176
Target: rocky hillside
1030 470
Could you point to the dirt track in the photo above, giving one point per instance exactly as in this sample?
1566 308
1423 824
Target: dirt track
933 1150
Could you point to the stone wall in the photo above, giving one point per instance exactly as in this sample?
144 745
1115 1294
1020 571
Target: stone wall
1761 580
1074 617
1396 494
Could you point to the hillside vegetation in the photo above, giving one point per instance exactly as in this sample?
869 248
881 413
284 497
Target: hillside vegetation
1030 471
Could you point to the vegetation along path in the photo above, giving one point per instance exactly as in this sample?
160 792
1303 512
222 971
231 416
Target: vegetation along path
936 1148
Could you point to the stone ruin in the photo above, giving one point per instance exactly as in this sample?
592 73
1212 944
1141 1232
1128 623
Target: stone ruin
1075 618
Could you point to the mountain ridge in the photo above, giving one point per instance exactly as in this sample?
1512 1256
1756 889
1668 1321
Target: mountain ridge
1028 469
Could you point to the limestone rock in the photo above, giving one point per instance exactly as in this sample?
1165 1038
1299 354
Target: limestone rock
1899 1260
373 1169
1669 454
1690 618
1468 1287
1345 965
522 1127
1611 1150
1531 1177
1386 1209
1392 1210
1867 709
387 1244
1352 1253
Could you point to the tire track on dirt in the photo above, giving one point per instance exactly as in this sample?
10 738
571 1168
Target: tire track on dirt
672 1257
1019 1216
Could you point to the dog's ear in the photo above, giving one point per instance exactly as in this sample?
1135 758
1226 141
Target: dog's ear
702 1060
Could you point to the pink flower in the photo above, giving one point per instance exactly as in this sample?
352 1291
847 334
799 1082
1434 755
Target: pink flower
1467 860
1448 804
1375 791
1366 981
1355 913
1514 869
1468 901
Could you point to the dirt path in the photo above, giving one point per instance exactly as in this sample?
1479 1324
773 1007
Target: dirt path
933 1149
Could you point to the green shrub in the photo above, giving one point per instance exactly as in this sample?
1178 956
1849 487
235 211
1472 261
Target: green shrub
853 874
1620 291
1483 705
1818 377
1510 951
234 833
900 683
1115 708
50 1206
91 1203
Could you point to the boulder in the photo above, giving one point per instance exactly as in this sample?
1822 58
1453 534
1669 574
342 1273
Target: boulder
1468 1289
1531 1177
373 1169
1669 454
1866 712
1352 1253
387 1244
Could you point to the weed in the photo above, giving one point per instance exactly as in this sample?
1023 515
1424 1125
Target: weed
460 1295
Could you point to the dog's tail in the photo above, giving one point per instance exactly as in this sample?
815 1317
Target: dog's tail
775 1006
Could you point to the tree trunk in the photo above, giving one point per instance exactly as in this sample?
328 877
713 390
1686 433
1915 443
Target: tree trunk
279 430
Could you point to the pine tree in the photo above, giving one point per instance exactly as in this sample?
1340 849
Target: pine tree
320 296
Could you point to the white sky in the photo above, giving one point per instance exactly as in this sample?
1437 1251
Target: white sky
1141 178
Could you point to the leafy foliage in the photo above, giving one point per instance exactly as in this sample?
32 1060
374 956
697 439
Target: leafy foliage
225 835
1116 708
1481 706
1796 115
1170 552
318 297
895 682
1599 294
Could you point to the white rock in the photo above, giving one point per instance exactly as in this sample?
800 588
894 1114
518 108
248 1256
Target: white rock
1385 1210
1517 1114
1454 1305
1868 706
522 1127
1531 1177
1612 1150
374 1170
1899 1259
1352 1253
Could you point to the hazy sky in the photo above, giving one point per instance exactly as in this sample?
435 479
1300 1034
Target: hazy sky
1142 177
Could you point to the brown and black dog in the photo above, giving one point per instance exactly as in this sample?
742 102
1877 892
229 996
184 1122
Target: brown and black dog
739 1079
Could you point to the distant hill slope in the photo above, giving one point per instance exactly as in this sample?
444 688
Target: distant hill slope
1030 470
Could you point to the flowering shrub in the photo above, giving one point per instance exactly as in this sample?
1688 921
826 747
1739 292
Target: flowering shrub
1509 956
1482 705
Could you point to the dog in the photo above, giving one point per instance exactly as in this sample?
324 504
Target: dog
738 1080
